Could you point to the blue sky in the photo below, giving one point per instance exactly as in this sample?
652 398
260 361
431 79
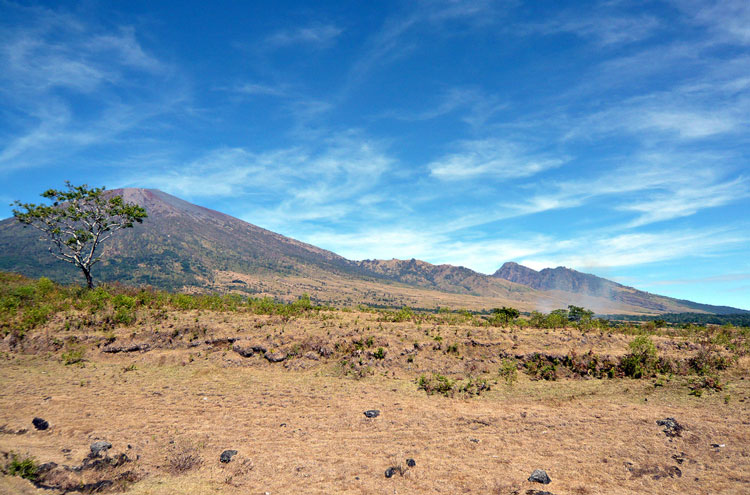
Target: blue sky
611 137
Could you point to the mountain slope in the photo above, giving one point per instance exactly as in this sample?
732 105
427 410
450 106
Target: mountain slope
179 244
584 284
188 247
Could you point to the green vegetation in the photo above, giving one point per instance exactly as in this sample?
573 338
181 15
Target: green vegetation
436 383
25 467
509 371
26 304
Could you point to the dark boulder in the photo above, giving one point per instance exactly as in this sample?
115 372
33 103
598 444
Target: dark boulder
102 446
671 427
540 476
227 455
275 357
40 424
411 462
372 413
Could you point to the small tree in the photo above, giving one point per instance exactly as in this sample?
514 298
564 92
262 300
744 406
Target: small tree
78 221
504 315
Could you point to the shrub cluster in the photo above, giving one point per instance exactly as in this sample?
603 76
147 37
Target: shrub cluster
442 385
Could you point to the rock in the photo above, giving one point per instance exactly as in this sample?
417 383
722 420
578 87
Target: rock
540 476
114 349
538 492
275 357
390 472
102 446
243 350
372 413
311 356
411 462
40 424
259 348
671 427
227 455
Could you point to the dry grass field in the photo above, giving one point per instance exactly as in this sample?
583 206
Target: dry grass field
173 392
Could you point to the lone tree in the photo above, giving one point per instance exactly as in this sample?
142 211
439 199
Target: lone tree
78 221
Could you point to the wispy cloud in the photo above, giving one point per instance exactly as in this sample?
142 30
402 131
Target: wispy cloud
669 185
602 26
54 55
637 249
729 20
307 182
315 35
494 158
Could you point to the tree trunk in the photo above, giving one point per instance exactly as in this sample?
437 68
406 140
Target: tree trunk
87 274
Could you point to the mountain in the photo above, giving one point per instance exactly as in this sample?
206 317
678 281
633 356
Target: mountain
179 245
182 246
447 278
585 284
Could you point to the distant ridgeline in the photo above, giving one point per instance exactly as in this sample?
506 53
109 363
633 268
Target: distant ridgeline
737 319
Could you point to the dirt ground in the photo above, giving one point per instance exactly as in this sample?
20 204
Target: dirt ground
298 424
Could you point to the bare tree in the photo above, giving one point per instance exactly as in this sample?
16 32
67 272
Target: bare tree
78 221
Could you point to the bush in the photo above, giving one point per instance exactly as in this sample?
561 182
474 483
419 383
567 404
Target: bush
642 359
182 457
440 384
25 467
73 355
509 371
379 353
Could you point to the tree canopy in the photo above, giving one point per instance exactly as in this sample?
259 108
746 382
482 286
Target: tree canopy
78 221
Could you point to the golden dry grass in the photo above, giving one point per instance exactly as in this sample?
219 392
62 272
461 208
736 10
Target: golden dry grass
299 426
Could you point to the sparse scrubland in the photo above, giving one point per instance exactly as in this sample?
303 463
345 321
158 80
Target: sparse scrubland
467 402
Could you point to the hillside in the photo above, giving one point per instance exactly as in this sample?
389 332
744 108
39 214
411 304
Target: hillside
584 284
147 393
188 247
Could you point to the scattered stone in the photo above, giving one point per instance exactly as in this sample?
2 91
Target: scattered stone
390 472
275 357
411 462
243 349
679 458
40 424
311 356
227 455
538 492
372 413
540 476
671 427
259 348
718 445
114 349
102 446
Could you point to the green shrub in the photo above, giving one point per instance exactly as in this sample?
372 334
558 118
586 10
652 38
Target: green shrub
642 360
509 371
25 467
436 384
379 353
73 355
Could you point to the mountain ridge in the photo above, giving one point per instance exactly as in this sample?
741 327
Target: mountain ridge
189 247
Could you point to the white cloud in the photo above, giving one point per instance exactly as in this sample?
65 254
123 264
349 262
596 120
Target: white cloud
54 51
729 20
315 34
637 249
492 157
606 28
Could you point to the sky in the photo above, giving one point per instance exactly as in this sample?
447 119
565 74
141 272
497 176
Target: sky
610 137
